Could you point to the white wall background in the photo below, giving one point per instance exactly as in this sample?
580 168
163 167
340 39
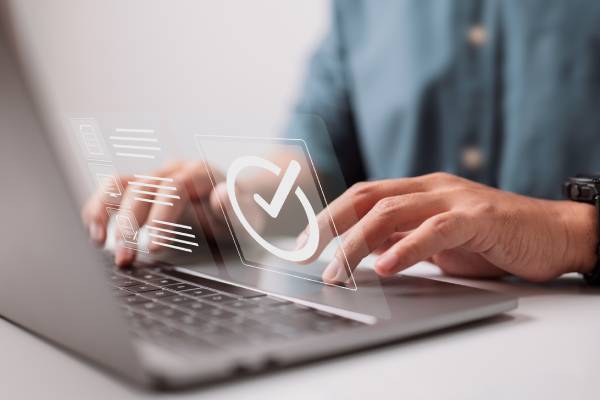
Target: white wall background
236 63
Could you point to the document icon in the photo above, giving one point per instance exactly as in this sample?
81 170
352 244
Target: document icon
91 140
106 180
127 228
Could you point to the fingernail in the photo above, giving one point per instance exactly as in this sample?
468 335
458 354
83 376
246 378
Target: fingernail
335 272
301 240
153 247
96 233
386 262
123 256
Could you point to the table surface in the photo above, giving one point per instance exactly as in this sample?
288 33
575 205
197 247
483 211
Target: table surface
548 348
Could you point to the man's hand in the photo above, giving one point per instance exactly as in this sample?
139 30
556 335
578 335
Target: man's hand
194 188
466 228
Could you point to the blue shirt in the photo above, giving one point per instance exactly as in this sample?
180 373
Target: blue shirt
505 92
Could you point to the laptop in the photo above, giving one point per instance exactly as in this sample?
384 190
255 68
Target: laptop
167 326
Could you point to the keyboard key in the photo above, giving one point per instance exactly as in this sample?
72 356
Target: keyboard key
151 307
268 301
143 288
159 294
180 287
198 292
219 313
178 300
198 307
242 304
135 300
162 282
172 313
191 321
209 283
125 282
219 298
141 273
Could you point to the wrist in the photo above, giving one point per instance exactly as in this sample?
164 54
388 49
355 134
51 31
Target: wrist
581 222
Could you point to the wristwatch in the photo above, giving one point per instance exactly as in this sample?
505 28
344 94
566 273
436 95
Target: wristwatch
586 189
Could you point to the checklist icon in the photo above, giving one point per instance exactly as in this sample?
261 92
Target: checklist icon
90 138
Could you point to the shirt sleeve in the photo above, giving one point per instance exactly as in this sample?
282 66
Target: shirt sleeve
323 113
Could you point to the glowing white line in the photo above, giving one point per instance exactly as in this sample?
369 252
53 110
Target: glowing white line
152 185
155 178
133 139
134 130
135 155
210 177
164 203
158 221
173 232
155 194
173 239
172 247
129 146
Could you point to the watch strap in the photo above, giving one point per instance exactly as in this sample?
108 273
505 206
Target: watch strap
593 277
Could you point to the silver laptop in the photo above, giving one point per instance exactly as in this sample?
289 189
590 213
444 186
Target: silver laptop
168 326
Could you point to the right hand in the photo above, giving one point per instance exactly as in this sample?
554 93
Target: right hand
194 187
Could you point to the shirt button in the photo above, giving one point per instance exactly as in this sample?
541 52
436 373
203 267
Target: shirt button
477 35
472 158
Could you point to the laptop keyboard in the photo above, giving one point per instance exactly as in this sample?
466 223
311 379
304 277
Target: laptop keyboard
178 310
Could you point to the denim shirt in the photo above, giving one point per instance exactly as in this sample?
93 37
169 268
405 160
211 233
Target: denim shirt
505 92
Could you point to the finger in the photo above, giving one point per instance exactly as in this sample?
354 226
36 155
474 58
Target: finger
390 241
466 264
441 232
125 256
389 215
95 216
194 183
355 203
139 198
219 202
200 180
169 210
211 221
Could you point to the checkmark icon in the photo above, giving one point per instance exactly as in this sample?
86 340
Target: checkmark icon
286 187
281 193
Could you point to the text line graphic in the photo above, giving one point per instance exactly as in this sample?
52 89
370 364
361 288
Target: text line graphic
172 238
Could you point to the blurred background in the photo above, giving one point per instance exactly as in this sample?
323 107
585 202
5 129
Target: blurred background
211 58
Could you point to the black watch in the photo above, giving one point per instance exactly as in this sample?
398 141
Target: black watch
586 189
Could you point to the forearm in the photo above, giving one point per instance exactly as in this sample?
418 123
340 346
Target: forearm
580 221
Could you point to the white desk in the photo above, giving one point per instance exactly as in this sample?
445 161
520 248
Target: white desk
549 348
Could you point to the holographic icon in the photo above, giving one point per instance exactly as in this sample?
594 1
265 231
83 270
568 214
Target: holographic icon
90 138
154 189
166 234
135 143
283 191
107 181
127 228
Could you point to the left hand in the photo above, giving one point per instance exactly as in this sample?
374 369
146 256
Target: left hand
467 229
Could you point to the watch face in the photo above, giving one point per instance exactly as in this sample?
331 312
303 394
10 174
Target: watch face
583 188
587 178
